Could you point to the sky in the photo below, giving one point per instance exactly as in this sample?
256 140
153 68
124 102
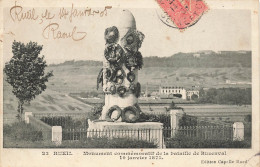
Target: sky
216 30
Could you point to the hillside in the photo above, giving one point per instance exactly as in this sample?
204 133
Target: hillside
229 69
206 59
71 79
48 102
204 69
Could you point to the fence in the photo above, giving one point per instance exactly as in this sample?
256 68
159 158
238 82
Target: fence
72 120
203 132
207 132
139 134
75 128
72 115
203 122
79 120
199 132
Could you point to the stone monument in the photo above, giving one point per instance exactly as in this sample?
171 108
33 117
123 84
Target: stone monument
119 79
119 75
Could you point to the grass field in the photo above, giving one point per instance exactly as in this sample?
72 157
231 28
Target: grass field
48 102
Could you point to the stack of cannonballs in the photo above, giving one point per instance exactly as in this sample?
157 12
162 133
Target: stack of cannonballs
120 69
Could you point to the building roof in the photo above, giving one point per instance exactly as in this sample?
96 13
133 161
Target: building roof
171 87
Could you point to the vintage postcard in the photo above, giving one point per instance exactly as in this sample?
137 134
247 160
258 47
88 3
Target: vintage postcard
129 83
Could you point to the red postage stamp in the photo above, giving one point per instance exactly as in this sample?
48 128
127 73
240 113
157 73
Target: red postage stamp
183 13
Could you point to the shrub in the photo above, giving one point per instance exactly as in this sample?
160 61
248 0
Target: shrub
188 121
248 118
97 111
181 141
178 95
88 94
150 117
194 97
83 94
22 131
232 96
65 121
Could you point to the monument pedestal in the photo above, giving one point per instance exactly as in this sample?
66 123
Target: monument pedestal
146 131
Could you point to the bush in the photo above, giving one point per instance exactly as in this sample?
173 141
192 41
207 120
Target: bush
65 121
178 95
231 96
187 120
248 118
150 117
22 131
97 111
194 97
88 94
181 141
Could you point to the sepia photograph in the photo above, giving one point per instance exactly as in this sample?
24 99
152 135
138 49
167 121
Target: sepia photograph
178 76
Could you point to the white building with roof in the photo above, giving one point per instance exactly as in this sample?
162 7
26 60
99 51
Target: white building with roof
176 91
173 90
192 92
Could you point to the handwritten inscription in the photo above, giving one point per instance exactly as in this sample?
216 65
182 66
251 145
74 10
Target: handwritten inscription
17 13
53 29
76 13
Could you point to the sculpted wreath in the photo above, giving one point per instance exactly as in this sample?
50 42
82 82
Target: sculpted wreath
111 110
121 90
114 54
134 61
131 77
130 114
111 35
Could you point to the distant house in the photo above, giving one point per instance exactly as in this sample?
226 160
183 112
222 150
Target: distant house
228 81
173 91
192 92
228 52
154 94
196 55
206 52
242 51
177 92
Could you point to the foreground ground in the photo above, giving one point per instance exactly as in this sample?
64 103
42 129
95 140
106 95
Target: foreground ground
21 135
